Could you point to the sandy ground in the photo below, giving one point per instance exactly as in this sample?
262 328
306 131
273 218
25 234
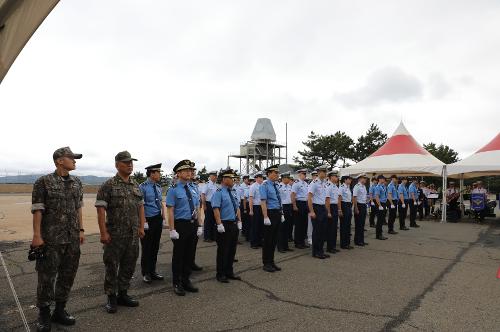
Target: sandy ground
16 221
440 277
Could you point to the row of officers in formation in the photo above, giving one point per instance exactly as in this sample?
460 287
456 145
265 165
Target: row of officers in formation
271 210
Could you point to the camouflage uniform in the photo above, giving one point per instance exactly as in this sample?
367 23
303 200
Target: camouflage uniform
59 200
122 201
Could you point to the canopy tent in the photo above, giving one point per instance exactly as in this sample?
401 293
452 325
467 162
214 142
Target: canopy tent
400 155
484 162
19 19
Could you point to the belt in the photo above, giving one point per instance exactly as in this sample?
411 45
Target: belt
184 220
228 220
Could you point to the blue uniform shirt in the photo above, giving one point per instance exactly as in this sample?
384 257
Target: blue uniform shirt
269 192
359 192
225 200
345 192
318 190
371 191
151 192
391 188
332 191
178 199
209 189
381 192
195 191
403 190
299 187
413 189
254 192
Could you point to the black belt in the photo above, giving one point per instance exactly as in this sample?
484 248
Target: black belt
228 220
183 220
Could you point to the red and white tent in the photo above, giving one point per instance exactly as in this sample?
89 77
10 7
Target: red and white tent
400 155
485 162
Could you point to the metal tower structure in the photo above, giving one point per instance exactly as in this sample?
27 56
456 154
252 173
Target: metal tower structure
261 151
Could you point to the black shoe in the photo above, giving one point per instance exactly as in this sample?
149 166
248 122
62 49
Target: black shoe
111 304
235 260
300 246
347 247
147 279
195 267
404 229
276 267
178 290
189 287
282 251
156 276
320 256
233 277
359 244
268 268
125 300
288 249
307 246
392 232
331 251
208 240
365 230
365 243
61 316
255 247
43 324
415 226
222 279
381 237
326 255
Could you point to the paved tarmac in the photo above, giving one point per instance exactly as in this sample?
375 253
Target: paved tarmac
440 277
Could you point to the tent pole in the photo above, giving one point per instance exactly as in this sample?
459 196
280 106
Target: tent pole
443 216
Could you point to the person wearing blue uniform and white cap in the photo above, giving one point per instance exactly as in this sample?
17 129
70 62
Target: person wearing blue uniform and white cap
197 201
318 213
414 202
285 227
403 201
270 201
345 212
257 221
373 206
299 206
359 201
381 201
206 197
392 198
331 204
183 218
228 220
155 214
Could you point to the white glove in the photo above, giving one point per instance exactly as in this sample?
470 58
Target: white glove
146 226
418 203
267 221
392 206
174 235
403 205
372 204
199 232
220 228
282 218
240 225
381 208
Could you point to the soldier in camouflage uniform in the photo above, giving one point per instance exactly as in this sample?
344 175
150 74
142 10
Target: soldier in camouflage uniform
57 226
120 212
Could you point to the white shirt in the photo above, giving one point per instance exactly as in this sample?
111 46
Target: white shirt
345 192
318 189
254 192
332 191
209 189
359 191
285 193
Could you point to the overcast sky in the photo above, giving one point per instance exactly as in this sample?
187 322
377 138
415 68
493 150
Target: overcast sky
169 80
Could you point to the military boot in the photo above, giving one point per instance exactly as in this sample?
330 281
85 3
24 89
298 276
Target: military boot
43 324
61 316
125 300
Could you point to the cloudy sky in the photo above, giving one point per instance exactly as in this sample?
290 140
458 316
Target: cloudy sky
169 80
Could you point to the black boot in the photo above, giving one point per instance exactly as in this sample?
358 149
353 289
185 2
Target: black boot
125 300
43 319
61 316
111 305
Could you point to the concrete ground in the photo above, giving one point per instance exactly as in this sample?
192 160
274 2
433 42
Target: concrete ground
440 277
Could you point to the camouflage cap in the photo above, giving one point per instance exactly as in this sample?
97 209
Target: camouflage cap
65 152
124 156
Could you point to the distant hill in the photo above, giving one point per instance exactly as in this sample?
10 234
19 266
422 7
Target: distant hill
29 179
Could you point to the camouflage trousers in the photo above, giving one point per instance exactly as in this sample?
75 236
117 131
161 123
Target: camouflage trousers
56 272
119 259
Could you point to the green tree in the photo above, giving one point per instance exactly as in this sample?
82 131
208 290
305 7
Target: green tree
139 177
203 174
442 152
331 150
368 143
